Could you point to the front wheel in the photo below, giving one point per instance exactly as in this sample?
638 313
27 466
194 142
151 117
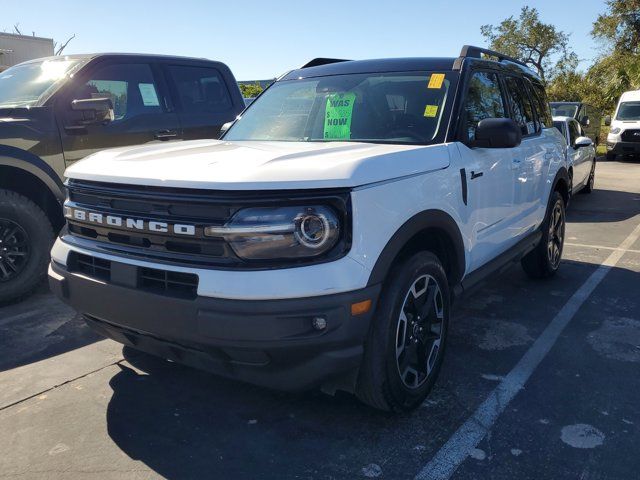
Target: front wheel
406 342
26 237
544 260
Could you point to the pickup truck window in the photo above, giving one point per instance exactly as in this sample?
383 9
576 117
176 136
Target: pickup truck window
398 107
23 85
131 88
200 89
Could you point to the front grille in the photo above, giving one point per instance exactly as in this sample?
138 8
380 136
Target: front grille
192 208
631 136
161 282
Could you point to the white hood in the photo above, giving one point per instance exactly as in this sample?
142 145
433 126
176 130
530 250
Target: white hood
216 164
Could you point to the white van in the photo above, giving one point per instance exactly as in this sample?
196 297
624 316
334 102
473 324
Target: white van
624 136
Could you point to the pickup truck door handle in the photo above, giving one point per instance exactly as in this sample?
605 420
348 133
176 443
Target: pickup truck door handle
476 174
165 134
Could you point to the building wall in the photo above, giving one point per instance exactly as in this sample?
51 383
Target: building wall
15 49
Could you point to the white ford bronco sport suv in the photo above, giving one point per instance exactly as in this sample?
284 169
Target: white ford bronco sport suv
321 241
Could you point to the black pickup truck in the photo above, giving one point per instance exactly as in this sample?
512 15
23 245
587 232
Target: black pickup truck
55 111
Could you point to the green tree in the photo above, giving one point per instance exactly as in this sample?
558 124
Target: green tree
528 39
250 90
619 26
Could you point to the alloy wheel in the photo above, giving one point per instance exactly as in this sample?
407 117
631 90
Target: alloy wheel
556 235
14 249
419 331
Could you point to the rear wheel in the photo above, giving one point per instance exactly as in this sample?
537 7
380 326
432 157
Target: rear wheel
406 342
26 237
588 188
544 260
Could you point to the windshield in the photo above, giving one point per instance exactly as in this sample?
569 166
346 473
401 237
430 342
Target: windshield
380 108
629 111
23 85
564 110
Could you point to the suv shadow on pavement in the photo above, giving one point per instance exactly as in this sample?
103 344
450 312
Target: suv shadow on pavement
591 208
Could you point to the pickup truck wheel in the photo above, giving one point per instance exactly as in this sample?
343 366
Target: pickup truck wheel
406 342
544 260
610 156
26 236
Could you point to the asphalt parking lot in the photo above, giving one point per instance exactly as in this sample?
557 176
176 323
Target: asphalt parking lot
540 382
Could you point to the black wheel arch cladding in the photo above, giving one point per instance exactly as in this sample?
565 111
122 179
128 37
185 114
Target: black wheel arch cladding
436 221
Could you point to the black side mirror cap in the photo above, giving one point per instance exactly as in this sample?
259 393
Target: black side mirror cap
497 133
607 120
94 110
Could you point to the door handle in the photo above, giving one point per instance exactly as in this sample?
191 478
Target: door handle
165 135
476 174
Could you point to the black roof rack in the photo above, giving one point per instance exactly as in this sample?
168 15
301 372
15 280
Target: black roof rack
316 62
469 51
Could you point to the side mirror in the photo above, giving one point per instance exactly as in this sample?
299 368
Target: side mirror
94 110
584 121
224 129
607 120
497 133
582 142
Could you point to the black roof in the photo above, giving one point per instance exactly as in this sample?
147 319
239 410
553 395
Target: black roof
373 66
418 64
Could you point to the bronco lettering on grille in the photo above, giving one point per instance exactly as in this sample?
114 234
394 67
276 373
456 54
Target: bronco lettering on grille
129 223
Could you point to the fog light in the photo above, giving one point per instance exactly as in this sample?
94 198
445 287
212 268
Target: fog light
319 323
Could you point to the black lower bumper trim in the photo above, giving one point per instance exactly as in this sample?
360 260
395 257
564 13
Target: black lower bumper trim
272 343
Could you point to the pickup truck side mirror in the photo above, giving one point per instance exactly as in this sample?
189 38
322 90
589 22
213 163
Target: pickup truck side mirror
95 111
497 133
582 142
584 121
607 120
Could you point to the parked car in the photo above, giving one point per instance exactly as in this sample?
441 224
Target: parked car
55 111
589 117
581 155
321 242
624 135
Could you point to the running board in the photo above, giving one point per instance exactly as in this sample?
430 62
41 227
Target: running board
496 266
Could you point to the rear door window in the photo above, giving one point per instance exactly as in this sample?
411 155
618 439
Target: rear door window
574 132
200 89
541 104
520 106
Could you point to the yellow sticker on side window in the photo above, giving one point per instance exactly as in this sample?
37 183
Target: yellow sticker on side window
338 112
436 80
430 110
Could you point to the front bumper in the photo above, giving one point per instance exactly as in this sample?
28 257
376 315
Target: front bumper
623 148
271 343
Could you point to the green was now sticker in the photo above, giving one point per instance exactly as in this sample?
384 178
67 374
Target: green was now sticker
339 110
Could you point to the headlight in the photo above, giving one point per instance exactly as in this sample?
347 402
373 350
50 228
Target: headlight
269 233
615 131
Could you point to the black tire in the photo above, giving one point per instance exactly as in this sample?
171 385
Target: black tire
588 188
26 237
544 260
610 156
380 382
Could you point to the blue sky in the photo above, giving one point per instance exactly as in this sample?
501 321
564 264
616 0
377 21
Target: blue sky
262 39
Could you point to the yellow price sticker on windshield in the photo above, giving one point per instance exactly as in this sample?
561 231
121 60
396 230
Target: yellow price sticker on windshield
436 80
431 111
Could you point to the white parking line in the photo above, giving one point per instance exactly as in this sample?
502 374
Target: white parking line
466 438
598 247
